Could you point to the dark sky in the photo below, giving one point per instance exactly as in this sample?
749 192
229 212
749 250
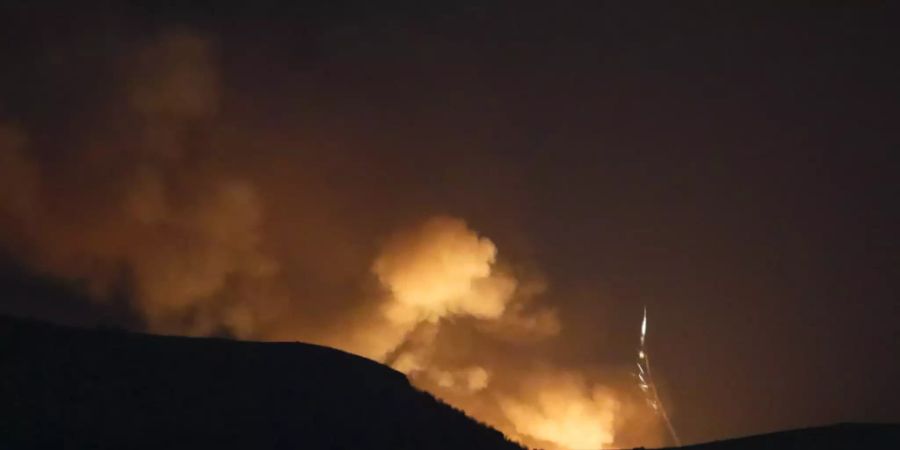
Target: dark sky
732 168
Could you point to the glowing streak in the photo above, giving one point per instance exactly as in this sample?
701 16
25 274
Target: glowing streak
648 386
643 330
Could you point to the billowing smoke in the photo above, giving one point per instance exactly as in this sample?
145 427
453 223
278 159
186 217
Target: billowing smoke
207 229
140 210
441 271
564 410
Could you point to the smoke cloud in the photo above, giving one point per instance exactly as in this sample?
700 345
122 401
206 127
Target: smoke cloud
442 270
564 411
208 230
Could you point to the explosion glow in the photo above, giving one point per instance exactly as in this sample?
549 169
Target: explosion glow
480 196
207 242
444 270
567 413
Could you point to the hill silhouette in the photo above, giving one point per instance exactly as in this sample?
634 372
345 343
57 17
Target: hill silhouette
73 388
845 436
77 389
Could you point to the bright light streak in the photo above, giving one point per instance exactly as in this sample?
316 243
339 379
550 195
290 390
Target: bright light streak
644 327
646 382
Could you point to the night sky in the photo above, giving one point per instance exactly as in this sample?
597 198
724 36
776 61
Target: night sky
732 169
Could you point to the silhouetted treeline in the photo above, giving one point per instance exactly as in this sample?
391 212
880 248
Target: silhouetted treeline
80 389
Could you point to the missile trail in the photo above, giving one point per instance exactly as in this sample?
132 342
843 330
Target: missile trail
647 385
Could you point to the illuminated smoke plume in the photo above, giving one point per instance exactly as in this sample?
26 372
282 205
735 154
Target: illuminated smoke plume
564 411
441 270
208 230
142 208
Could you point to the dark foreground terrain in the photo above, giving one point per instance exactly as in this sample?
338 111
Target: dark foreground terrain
849 436
100 389
79 389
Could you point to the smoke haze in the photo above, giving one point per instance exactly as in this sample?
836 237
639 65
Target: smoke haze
159 203
483 198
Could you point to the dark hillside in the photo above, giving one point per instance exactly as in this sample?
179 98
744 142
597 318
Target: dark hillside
96 389
77 389
847 436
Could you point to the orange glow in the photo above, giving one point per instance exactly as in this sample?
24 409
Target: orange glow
566 412
212 239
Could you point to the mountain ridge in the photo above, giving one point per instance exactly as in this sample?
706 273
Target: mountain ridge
81 388
844 435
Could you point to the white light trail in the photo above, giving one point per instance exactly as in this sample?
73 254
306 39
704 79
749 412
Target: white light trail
646 382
